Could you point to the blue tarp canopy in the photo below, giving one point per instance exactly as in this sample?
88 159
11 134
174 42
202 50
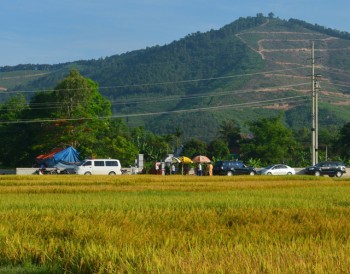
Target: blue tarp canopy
60 158
68 155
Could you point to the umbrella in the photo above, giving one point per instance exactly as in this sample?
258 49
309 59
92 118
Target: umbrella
201 159
176 160
172 159
185 160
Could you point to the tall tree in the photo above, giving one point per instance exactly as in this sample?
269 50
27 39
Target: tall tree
14 137
153 147
74 113
79 115
272 142
79 97
195 147
178 133
218 150
230 132
344 141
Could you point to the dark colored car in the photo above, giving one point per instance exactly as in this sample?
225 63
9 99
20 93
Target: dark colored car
230 168
327 168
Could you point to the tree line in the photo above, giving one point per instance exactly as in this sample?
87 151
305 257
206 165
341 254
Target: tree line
75 114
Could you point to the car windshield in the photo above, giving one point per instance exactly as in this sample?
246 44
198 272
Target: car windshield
83 163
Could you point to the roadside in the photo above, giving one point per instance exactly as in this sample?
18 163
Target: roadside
130 171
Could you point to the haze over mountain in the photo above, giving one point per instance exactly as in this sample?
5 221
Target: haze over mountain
251 68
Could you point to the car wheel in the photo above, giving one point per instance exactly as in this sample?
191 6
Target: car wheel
289 173
269 173
229 173
317 173
252 173
339 174
87 173
111 173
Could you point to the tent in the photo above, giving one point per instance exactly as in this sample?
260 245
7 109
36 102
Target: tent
59 157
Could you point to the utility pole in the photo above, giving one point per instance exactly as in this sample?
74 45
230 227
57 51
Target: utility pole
314 114
317 88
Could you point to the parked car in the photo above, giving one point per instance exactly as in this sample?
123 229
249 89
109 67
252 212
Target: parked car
230 168
279 169
327 168
99 166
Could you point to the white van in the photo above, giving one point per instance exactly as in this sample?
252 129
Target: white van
99 167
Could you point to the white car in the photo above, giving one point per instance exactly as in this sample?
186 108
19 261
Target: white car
279 169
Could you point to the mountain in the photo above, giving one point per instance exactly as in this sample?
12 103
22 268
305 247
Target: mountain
254 67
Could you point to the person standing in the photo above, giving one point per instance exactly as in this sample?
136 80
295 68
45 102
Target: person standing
210 167
156 167
172 169
199 172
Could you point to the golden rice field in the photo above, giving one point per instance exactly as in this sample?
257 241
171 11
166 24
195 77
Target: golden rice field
174 224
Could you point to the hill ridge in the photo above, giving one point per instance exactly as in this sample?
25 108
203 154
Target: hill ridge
246 46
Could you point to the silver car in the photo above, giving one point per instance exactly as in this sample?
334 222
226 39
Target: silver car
279 169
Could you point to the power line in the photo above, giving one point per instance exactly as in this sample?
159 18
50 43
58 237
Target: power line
56 105
206 95
341 85
182 97
203 95
213 108
164 83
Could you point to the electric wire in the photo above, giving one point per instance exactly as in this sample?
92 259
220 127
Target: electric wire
221 107
302 98
164 83
55 105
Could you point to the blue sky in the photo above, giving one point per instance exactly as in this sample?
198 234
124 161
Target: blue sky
58 31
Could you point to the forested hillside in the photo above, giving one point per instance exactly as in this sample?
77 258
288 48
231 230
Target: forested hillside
254 67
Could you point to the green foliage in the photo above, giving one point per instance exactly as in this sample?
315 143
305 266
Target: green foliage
153 147
73 114
13 109
80 116
255 162
321 29
343 144
195 147
190 73
132 76
14 136
79 97
216 72
176 69
272 142
218 150
116 143
294 117
230 132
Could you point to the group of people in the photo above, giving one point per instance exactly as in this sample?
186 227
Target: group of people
200 170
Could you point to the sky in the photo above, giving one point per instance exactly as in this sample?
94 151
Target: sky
59 31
